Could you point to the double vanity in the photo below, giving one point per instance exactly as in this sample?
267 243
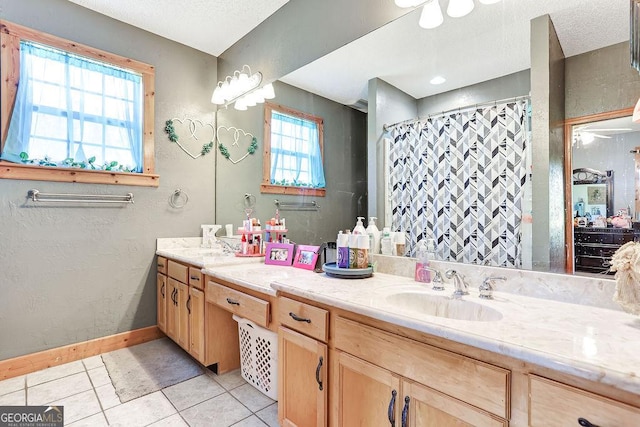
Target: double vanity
391 351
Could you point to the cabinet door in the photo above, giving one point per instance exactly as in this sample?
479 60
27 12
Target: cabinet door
196 323
182 297
425 407
172 309
162 302
302 380
367 395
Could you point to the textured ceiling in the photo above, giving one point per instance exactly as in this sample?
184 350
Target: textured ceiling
490 42
211 26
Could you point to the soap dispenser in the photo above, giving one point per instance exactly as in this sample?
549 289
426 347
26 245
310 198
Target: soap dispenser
359 228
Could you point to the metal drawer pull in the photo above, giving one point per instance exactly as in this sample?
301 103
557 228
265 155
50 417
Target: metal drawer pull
585 423
298 318
162 290
405 411
392 409
318 368
232 302
160 265
189 304
195 278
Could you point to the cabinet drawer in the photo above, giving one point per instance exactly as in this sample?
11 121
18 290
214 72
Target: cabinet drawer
244 305
312 321
196 278
480 384
556 404
178 271
162 265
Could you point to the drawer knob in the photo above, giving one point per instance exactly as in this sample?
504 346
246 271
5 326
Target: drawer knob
232 302
585 423
318 368
392 409
298 318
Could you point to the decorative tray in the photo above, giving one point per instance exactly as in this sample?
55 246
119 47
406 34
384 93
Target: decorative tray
346 273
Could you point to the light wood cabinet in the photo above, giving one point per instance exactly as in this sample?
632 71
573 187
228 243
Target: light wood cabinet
366 394
555 404
195 305
302 381
161 289
244 305
425 407
172 315
182 295
181 308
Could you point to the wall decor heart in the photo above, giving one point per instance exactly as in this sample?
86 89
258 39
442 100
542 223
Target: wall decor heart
233 135
193 128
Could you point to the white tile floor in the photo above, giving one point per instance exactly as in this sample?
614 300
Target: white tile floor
89 399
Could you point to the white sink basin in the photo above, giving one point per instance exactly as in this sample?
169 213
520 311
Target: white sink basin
442 306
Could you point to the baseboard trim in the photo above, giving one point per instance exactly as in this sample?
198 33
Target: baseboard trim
28 363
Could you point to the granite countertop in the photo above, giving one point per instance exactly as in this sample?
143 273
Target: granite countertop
597 344
189 250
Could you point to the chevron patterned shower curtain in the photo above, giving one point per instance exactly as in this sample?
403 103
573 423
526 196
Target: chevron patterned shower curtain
458 178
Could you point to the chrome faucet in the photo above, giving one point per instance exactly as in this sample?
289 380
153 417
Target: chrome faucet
438 283
487 287
459 282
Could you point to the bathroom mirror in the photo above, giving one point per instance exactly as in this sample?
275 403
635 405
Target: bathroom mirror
597 80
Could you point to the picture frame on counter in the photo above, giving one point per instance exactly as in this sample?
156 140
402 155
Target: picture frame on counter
306 257
279 253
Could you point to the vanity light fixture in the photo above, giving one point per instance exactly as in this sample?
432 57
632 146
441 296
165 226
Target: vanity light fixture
243 89
437 80
459 8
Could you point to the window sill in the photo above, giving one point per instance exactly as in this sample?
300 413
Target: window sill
41 173
299 191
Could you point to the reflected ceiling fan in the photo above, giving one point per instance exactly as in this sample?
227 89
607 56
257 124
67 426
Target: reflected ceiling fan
586 134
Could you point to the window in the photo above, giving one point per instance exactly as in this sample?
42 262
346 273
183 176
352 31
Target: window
293 152
72 113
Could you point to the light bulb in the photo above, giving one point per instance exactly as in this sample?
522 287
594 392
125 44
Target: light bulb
437 80
249 100
243 79
459 8
217 97
489 1
258 94
408 3
224 90
240 105
431 16
268 92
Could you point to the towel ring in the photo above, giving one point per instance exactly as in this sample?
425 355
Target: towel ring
177 197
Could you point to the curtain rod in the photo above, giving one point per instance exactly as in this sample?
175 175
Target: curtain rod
386 127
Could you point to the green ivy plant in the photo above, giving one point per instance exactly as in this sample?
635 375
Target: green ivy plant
251 150
294 183
69 162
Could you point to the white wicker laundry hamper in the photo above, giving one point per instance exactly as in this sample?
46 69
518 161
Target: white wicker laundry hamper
258 356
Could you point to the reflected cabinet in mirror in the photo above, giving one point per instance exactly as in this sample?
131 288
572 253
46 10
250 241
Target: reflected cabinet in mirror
603 156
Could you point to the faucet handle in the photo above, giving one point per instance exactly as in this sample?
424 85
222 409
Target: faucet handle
486 289
438 283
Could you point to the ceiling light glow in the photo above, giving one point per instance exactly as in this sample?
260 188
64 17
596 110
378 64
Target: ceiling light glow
437 80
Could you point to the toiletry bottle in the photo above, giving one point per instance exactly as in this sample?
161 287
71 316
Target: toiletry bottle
353 247
362 251
244 244
359 228
385 243
342 256
374 238
424 254
400 243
